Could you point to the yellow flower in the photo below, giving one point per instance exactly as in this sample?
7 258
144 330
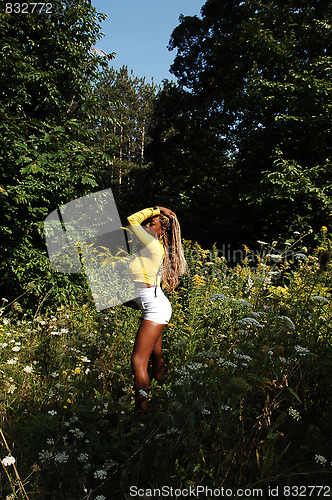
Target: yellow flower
324 229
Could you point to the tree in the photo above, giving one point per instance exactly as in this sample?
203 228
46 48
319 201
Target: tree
259 77
46 154
124 114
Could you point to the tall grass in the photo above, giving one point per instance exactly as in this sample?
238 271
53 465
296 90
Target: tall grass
246 398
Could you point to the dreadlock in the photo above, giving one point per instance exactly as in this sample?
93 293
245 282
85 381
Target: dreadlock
174 262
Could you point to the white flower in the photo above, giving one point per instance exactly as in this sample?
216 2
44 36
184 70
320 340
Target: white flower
301 351
225 407
100 474
45 455
238 355
143 393
319 298
9 460
244 302
249 322
275 257
61 457
218 296
28 369
3 345
83 457
52 412
85 359
262 242
294 413
319 459
300 256
50 441
226 362
100 497
285 322
12 361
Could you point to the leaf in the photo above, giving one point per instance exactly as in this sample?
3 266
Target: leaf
294 394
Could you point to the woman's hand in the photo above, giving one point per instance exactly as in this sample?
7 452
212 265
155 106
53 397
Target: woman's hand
166 211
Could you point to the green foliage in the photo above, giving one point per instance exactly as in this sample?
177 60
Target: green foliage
245 403
46 157
255 91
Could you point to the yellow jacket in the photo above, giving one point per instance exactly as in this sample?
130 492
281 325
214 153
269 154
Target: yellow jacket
147 266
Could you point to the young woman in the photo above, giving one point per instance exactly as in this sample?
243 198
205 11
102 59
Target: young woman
160 260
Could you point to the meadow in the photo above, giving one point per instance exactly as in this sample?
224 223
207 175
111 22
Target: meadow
245 405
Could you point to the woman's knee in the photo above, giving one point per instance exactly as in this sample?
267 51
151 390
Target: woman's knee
138 362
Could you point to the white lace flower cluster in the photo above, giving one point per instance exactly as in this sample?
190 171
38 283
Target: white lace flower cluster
294 413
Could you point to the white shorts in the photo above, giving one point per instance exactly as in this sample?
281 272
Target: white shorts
154 304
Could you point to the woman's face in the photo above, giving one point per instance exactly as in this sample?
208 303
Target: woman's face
153 226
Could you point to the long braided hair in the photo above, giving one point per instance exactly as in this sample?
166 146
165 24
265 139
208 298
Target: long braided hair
174 261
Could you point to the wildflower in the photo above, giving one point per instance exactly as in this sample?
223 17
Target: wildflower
301 351
77 432
61 457
9 460
45 455
274 256
238 355
319 298
225 407
262 242
218 296
52 412
319 459
300 256
143 393
3 345
4 300
100 497
249 322
205 412
226 362
50 441
83 457
294 413
85 359
244 302
16 348
250 284
285 322
12 361
100 474
323 229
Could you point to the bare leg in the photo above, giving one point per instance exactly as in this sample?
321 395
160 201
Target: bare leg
157 358
146 341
